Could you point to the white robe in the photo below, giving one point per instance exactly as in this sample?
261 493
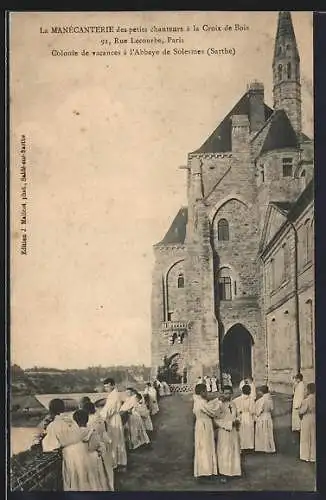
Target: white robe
110 413
205 463
153 405
77 472
298 397
213 384
160 389
246 412
208 384
144 412
308 429
264 435
228 441
166 387
137 435
100 450
227 379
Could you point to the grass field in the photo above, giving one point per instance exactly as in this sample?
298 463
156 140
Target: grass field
168 464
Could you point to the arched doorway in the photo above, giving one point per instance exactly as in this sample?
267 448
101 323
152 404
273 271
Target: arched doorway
237 352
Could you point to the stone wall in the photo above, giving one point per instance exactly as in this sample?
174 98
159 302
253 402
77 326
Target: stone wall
175 296
166 259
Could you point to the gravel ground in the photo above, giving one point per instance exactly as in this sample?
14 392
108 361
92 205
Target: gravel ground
168 464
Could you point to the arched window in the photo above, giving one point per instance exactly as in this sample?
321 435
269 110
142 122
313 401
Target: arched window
279 50
303 173
309 335
279 72
181 281
224 284
223 230
289 70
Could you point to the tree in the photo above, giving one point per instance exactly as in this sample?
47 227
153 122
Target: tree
168 372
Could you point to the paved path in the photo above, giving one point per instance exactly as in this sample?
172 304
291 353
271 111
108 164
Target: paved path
168 465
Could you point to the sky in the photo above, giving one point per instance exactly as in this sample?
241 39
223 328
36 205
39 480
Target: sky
104 139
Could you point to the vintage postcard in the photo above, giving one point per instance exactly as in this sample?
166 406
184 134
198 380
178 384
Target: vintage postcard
162 251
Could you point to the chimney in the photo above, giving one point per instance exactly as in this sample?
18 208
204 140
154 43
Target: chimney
256 106
196 179
240 133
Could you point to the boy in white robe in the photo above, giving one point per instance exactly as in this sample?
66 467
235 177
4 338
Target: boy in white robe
307 412
152 394
246 413
137 435
98 480
63 433
213 384
144 412
298 397
112 417
228 439
264 431
100 447
205 464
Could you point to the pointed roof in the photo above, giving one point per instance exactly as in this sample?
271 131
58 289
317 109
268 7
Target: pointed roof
282 206
285 32
303 201
280 134
177 231
220 140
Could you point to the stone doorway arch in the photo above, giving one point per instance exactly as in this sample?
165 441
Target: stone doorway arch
237 352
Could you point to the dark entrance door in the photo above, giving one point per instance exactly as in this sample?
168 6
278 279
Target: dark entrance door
236 353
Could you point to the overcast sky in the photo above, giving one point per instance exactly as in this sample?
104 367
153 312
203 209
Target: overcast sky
105 137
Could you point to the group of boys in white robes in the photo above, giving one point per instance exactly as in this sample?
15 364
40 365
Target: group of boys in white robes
162 387
94 441
85 444
238 425
210 382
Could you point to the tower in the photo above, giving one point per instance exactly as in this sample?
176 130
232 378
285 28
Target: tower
286 71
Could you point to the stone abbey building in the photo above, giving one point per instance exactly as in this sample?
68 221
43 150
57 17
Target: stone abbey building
233 280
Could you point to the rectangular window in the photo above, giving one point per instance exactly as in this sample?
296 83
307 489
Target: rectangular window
286 262
224 288
170 314
287 167
272 275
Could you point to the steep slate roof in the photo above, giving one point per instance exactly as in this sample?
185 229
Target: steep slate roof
285 32
303 201
303 137
293 210
177 231
283 206
280 134
220 140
